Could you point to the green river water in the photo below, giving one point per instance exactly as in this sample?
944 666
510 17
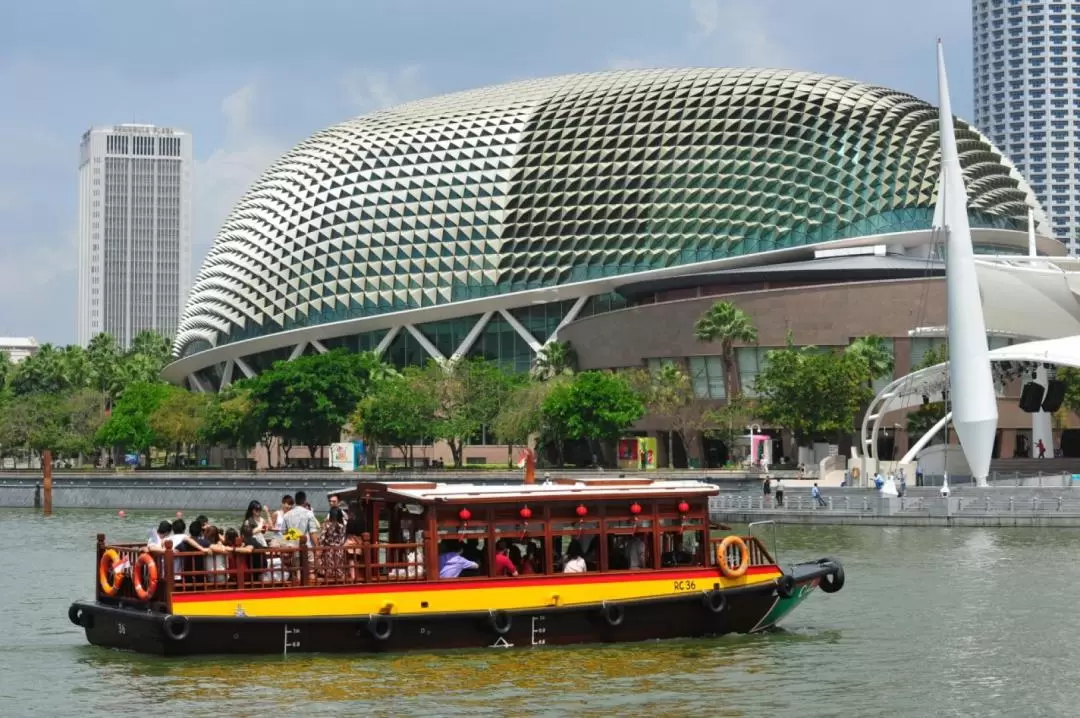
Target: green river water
932 622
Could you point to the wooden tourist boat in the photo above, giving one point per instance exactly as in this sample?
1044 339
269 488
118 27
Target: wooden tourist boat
384 593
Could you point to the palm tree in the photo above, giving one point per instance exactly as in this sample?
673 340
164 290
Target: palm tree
725 323
875 355
555 359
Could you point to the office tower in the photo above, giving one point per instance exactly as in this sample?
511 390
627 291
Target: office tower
1027 92
134 230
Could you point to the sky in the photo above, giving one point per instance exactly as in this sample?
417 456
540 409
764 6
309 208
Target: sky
251 79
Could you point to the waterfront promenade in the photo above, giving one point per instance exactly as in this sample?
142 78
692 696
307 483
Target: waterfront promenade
1055 503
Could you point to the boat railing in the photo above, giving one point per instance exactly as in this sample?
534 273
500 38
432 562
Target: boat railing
758 554
294 566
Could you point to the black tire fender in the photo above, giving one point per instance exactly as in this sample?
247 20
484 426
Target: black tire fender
80 616
501 621
834 580
715 601
380 626
614 613
785 586
176 627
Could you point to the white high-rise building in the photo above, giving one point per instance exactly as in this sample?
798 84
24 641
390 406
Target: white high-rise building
1027 95
134 230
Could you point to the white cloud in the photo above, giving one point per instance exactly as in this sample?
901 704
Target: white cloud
735 32
368 89
221 179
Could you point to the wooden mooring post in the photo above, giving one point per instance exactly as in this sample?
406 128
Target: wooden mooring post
46 475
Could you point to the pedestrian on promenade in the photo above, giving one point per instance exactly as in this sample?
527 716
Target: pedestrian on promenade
780 493
1042 449
766 487
815 493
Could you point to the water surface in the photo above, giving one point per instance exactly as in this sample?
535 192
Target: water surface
932 622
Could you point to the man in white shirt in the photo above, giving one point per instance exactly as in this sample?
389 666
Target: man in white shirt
302 519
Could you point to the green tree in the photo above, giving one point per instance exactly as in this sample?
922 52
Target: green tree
727 324
810 392
521 416
465 396
30 423
81 419
555 359
668 394
874 355
230 420
398 412
177 421
103 355
728 422
308 400
595 406
128 427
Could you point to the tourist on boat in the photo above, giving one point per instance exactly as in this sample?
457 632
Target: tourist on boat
276 531
575 562
302 519
335 502
531 563
157 538
331 563
259 522
635 552
452 562
503 565
354 541
217 563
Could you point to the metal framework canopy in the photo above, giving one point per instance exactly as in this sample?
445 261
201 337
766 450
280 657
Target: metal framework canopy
1008 363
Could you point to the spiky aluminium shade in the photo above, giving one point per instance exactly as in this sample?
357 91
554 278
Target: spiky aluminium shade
545 182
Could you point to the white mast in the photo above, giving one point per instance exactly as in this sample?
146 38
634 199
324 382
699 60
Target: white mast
1031 233
974 404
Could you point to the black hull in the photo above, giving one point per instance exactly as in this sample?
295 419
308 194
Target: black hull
680 616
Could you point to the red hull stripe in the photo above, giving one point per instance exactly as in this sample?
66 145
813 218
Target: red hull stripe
459 584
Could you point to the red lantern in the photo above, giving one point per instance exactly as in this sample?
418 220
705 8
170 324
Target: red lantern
464 514
582 511
525 513
683 507
635 508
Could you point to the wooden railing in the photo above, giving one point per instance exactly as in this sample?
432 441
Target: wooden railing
759 555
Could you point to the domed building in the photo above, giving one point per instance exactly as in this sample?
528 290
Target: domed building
489 222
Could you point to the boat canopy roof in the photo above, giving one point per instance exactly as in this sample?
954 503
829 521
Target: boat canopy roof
561 489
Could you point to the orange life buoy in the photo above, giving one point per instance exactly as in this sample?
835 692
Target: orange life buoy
722 560
145 593
110 561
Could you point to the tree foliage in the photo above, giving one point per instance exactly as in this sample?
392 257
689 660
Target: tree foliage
178 419
464 396
553 360
229 419
398 412
668 394
874 356
727 324
128 427
810 392
595 405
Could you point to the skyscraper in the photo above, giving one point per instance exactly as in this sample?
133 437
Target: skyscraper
134 230
1027 91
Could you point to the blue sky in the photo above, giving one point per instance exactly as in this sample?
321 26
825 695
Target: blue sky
250 79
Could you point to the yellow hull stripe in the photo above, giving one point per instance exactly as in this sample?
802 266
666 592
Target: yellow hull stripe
446 597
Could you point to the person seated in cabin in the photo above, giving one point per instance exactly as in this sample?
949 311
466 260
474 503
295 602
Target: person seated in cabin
452 562
503 565
575 562
476 553
530 564
635 552
515 556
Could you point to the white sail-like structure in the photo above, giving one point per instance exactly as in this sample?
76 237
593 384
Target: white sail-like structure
974 403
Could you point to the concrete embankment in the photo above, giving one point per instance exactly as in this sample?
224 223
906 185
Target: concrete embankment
995 506
231 491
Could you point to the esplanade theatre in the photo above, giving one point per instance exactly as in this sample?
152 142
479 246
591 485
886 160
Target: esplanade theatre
611 210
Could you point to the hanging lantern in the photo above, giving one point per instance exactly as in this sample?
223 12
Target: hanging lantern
464 514
683 507
582 511
525 513
635 508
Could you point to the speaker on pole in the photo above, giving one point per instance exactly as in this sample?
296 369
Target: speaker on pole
1031 397
1055 394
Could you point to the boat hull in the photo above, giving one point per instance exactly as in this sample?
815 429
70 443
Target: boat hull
691 615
